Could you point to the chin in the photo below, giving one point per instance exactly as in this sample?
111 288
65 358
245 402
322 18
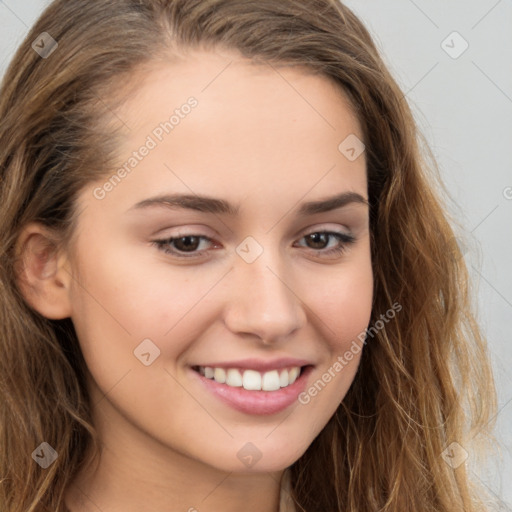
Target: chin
266 459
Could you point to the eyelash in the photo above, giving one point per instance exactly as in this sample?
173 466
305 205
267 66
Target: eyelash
344 238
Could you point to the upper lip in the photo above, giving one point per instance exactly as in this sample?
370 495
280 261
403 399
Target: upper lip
259 364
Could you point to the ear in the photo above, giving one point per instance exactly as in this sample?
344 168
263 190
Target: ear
42 272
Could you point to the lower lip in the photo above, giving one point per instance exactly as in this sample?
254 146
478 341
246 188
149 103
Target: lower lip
257 402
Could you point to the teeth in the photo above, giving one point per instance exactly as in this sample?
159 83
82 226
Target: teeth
219 375
252 380
270 381
233 378
293 374
283 379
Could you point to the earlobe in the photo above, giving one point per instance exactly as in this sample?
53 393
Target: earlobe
41 272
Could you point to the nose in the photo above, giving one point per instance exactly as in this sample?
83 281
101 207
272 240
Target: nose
262 300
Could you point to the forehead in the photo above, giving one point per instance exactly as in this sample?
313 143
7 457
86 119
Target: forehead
258 129
226 80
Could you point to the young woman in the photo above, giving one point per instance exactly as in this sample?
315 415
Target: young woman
227 281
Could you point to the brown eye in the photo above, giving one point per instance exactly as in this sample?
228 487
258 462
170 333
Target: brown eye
187 243
184 246
319 242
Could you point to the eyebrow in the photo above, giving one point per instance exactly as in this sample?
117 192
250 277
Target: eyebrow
214 205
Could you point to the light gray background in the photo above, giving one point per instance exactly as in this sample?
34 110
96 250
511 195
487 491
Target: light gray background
464 107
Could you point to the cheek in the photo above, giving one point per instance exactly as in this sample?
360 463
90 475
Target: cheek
342 307
349 314
343 304
120 301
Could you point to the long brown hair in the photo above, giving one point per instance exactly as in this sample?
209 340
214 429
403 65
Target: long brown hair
424 379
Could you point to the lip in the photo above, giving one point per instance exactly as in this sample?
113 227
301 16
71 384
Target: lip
259 365
256 402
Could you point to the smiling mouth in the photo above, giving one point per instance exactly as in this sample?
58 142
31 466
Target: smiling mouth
252 380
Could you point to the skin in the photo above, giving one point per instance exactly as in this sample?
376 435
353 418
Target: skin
257 142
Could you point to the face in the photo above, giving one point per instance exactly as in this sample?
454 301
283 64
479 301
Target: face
232 240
